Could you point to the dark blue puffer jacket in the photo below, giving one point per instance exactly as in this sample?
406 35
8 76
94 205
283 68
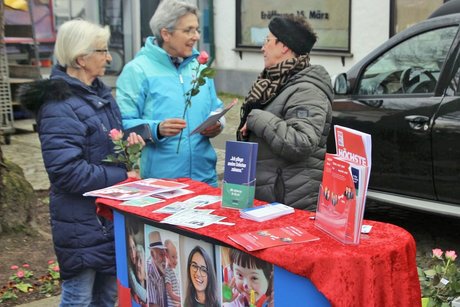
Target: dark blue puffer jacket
73 123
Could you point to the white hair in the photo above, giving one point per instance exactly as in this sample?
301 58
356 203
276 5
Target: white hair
76 38
167 15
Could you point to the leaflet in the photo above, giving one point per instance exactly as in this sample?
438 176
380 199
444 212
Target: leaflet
137 189
260 239
213 118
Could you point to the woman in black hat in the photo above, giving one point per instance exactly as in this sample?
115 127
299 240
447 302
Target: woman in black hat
288 113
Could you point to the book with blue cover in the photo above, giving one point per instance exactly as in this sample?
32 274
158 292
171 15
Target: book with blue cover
238 187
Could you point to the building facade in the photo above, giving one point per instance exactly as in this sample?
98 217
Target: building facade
233 30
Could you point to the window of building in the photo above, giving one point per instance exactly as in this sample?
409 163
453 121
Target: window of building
329 18
405 13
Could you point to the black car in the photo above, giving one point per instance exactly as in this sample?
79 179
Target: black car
406 94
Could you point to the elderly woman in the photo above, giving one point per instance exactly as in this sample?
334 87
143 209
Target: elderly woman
151 89
76 111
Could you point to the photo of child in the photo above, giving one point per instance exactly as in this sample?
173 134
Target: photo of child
171 282
247 280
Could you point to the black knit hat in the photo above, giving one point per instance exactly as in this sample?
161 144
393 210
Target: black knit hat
293 33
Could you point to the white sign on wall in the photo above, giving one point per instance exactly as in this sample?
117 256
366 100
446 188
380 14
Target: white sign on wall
329 18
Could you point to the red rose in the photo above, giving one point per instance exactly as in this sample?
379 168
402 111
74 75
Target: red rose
116 135
203 57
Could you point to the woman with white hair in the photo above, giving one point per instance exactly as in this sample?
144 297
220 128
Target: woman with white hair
75 112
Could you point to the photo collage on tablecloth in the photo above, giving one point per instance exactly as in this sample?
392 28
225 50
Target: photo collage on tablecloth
168 269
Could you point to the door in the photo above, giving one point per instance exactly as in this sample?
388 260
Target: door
446 137
394 100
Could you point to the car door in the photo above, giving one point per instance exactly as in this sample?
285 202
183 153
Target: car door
446 137
394 99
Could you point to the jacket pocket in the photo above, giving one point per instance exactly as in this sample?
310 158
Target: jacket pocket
279 188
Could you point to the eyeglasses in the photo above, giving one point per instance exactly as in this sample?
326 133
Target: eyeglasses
104 51
189 31
195 267
267 39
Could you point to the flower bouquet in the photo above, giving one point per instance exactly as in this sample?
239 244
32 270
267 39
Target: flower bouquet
128 155
440 282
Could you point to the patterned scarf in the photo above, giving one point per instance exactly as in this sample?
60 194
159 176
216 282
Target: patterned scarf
267 86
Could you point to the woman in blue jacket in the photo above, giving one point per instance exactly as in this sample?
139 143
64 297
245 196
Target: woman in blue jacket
76 111
151 88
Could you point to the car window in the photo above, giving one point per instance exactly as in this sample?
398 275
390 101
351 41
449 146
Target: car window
412 66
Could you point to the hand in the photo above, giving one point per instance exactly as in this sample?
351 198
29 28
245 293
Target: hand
171 126
134 174
213 130
135 138
244 130
234 289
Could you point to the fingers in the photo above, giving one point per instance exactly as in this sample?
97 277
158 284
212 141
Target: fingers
213 130
135 138
233 282
172 126
134 174
244 130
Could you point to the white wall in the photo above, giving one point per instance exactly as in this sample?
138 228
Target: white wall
369 28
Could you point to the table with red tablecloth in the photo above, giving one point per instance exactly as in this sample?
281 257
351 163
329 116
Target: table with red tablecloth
380 271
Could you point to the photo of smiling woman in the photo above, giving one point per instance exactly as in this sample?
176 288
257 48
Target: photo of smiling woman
201 280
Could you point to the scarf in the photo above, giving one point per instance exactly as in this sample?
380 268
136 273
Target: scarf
268 85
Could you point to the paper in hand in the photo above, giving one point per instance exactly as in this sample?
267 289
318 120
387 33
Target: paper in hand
213 118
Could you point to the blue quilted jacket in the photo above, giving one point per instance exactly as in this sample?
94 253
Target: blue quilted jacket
73 124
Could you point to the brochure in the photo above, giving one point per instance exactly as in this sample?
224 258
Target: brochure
238 186
266 212
204 200
142 202
213 118
195 202
175 207
340 199
260 239
174 193
193 218
137 189
343 190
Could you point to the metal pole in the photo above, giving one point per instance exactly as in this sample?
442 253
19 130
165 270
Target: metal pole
34 38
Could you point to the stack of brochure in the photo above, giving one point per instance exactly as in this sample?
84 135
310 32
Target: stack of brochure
266 212
260 239
343 190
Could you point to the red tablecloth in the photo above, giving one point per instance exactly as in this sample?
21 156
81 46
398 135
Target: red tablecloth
380 271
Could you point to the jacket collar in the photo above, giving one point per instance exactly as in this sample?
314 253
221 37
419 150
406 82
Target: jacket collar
152 50
97 94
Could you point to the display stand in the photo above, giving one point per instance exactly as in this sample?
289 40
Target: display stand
238 196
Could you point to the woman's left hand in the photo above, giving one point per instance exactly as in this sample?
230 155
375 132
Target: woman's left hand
135 138
134 174
213 130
